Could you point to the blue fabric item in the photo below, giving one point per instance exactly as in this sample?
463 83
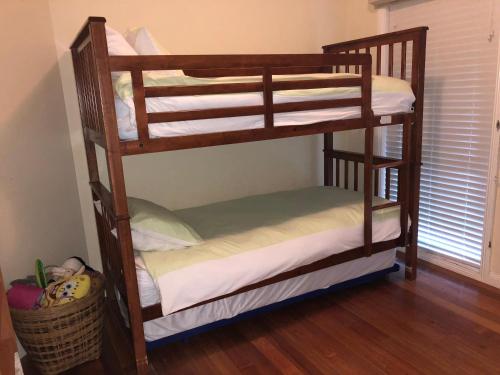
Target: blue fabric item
224 322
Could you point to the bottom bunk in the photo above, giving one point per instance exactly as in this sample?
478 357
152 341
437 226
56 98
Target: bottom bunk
250 240
183 324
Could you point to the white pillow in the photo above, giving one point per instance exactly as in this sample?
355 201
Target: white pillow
155 228
117 45
144 44
144 240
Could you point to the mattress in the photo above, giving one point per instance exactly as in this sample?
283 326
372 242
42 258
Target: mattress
254 238
389 95
232 306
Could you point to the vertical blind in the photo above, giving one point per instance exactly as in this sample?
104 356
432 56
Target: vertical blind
461 69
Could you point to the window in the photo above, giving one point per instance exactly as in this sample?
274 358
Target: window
461 71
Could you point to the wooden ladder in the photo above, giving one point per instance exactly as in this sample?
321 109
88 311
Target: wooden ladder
403 167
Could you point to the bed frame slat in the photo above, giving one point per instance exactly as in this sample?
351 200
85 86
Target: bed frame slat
337 172
267 78
316 83
141 116
403 60
346 174
379 59
201 114
222 88
356 67
376 182
316 104
385 205
356 176
391 60
327 161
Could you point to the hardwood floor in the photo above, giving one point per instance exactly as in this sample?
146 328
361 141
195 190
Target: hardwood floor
440 324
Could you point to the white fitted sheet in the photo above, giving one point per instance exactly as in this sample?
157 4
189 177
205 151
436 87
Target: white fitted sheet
232 306
383 102
149 294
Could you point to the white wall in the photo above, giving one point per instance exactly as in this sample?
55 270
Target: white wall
39 205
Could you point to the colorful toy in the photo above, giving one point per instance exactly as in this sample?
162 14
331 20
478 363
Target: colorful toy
66 290
41 279
75 288
24 296
66 284
71 266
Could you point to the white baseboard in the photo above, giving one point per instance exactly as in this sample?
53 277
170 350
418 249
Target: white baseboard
450 264
473 272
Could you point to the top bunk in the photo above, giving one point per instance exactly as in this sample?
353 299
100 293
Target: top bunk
137 104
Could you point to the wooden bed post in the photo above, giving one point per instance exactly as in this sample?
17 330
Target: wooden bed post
368 119
100 126
417 84
118 193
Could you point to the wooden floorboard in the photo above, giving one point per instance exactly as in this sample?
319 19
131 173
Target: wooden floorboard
440 324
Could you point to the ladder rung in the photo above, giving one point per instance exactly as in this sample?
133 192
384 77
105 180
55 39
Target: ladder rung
385 205
392 164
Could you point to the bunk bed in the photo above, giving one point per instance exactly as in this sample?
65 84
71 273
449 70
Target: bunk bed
272 75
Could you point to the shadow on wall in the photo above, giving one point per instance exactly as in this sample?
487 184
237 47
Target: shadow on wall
187 178
190 178
39 215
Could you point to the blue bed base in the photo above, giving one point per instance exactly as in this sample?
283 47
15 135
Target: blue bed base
248 314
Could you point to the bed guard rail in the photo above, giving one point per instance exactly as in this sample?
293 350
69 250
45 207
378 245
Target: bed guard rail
263 66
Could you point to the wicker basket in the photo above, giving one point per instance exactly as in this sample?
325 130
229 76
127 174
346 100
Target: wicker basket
61 337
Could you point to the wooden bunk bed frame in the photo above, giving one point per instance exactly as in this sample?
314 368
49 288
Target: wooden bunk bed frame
93 67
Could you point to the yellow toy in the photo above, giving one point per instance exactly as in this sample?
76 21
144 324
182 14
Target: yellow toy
66 290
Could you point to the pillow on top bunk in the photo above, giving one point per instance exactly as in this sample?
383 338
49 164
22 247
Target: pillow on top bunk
156 228
117 45
144 44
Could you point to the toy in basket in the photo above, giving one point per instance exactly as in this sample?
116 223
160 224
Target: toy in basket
62 327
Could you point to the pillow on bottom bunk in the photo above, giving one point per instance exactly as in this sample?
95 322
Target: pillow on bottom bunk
155 228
